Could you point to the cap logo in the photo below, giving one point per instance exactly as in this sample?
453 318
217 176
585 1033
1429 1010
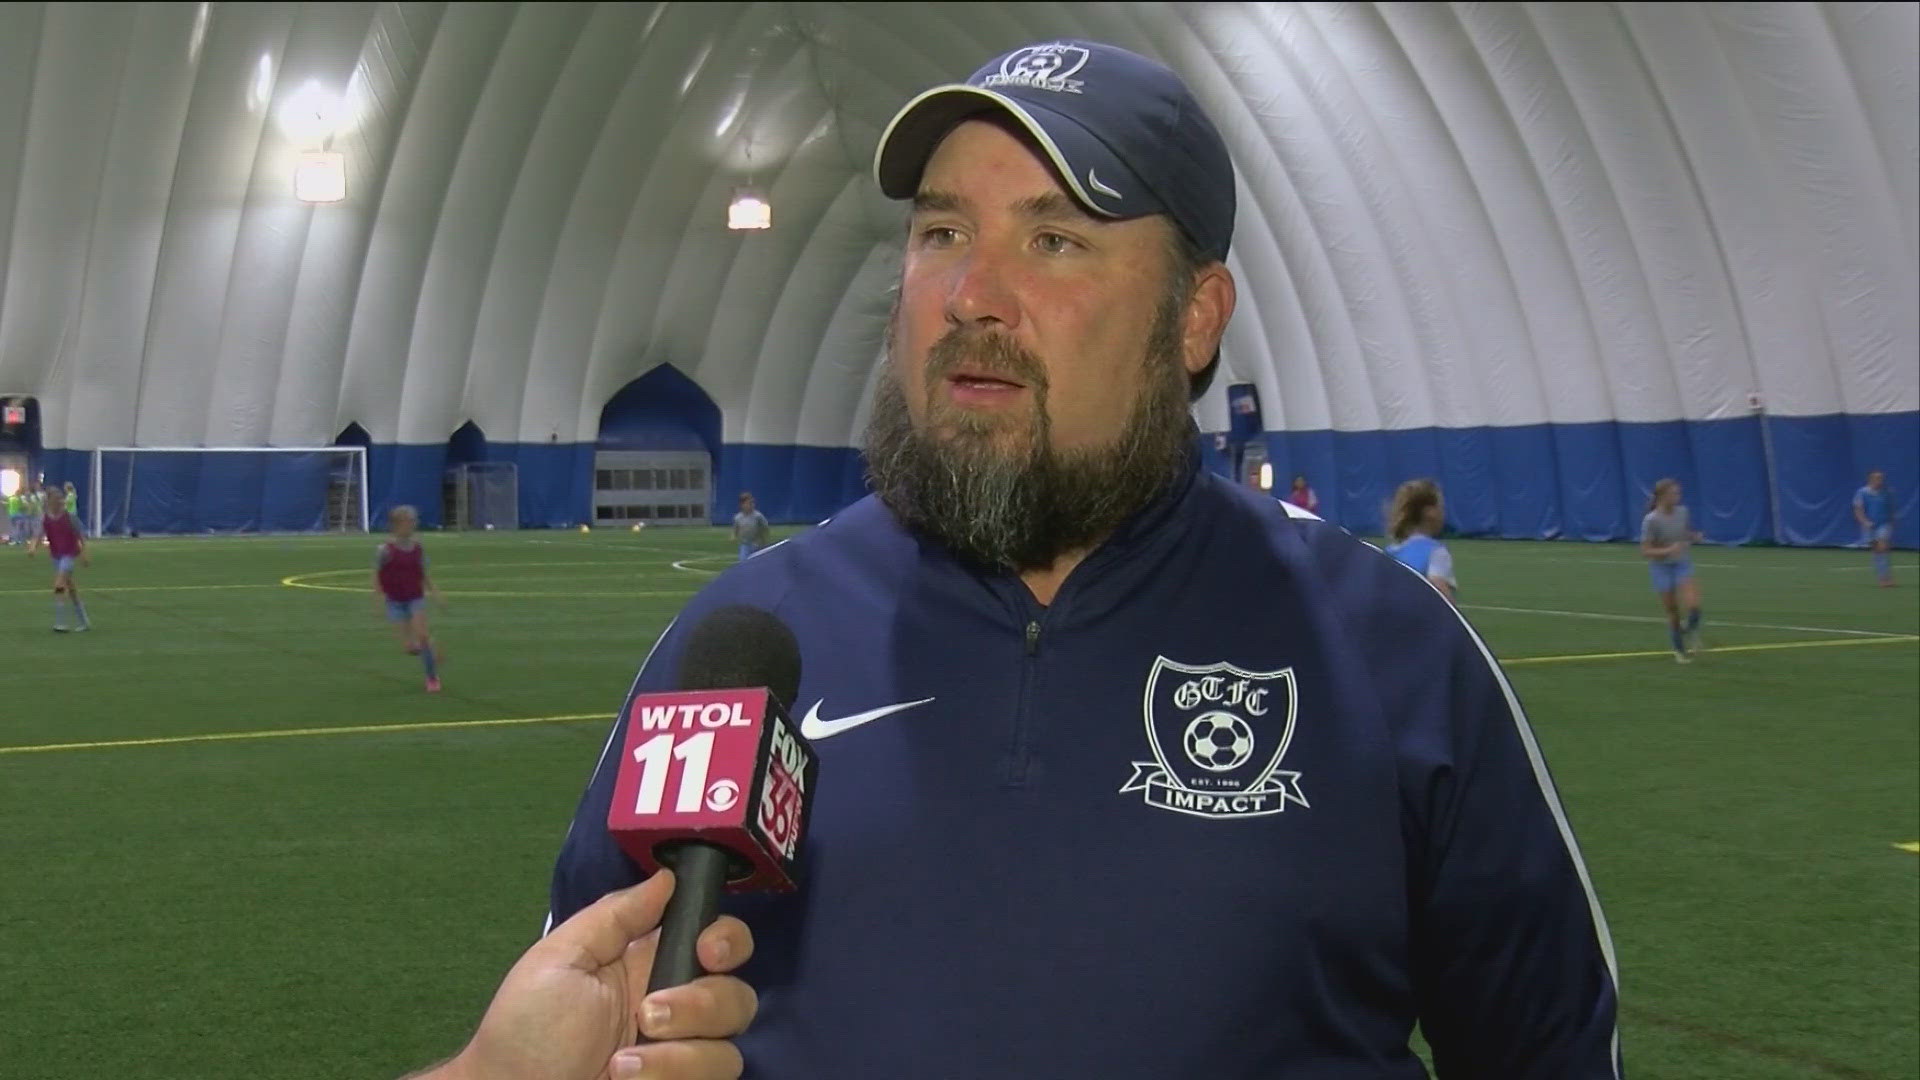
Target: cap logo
1094 183
1042 67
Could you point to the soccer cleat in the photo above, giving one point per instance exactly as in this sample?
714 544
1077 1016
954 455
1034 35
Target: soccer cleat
59 629
1682 658
83 628
433 686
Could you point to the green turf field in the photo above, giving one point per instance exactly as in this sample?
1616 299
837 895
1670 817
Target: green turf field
237 840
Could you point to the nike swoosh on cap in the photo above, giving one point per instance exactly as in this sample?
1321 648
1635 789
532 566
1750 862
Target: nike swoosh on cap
1094 183
812 727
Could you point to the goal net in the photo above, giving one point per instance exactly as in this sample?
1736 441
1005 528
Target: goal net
165 489
483 495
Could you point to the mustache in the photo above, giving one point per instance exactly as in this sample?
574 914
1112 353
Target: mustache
988 354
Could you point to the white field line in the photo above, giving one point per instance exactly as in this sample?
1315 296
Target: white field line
1662 620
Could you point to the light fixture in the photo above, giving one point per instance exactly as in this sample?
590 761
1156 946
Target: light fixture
749 211
321 177
1266 476
312 114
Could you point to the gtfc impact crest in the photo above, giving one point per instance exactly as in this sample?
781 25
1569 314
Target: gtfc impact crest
1218 735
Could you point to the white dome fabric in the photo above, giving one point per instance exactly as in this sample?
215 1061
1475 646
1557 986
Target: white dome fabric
1545 253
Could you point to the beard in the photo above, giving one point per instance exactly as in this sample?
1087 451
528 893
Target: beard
993 488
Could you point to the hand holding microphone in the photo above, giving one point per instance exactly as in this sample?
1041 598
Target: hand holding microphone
713 792
715 780
568 1007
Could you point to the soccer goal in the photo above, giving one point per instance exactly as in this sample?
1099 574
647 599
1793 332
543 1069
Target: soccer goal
221 490
483 495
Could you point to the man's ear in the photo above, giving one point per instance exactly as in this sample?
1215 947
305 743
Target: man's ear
1209 307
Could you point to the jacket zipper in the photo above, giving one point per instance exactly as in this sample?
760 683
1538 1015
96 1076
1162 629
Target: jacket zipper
1020 752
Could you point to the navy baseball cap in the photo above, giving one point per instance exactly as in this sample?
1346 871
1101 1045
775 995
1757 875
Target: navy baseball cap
1124 133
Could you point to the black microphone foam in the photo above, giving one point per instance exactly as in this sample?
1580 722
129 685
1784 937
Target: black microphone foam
738 646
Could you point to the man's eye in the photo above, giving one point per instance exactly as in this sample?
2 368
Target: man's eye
1054 243
938 236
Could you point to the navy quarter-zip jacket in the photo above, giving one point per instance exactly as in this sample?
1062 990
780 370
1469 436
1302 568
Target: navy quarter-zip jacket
1245 802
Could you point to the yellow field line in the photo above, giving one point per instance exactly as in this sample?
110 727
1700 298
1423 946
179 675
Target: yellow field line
1825 643
288 733
91 589
368 729
293 582
1913 847
303 581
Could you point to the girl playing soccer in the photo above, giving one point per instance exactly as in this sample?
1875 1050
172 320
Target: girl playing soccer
1873 509
1667 539
1417 517
1303 497
400 580
64 545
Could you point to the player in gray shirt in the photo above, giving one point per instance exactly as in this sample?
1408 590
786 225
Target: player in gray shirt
750 528
1666 540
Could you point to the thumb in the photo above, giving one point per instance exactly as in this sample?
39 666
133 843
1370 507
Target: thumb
603 931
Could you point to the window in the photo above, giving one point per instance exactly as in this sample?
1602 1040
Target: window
643 479
622 479
678 481
602 480
604 513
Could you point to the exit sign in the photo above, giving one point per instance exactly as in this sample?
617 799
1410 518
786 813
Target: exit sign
16 414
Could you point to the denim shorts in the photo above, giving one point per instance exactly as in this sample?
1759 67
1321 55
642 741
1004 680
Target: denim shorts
403 610
1667 576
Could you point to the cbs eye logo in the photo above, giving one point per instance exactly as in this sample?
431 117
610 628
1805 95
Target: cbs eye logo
723 795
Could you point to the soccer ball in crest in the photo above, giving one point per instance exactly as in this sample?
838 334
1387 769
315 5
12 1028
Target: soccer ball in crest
1218 741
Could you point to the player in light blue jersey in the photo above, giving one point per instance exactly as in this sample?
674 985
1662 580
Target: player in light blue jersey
1415 521
1873 509
1667 539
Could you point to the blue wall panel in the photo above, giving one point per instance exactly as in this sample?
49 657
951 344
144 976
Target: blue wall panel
1308 453
1728 496
1591 485
1818 473
1892 445
789 483
59 466
1470 478
661 410
188 493
1362 480
1577 481
556 482
413 476
1526 466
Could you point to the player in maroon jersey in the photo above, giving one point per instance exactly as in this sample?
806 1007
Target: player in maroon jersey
400 580
64 546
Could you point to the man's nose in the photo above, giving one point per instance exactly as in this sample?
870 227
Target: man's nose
981 292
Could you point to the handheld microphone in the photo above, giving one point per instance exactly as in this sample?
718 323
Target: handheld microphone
715 781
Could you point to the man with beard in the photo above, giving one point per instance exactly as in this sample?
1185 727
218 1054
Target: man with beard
1085 811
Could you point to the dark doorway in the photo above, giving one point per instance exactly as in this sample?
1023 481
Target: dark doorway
654 460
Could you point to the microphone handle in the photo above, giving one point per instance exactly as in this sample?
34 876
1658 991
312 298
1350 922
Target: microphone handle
699 872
